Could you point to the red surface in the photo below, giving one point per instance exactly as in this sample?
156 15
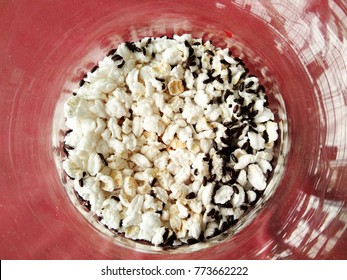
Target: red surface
48 45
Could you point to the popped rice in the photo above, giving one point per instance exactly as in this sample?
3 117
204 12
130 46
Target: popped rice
170 140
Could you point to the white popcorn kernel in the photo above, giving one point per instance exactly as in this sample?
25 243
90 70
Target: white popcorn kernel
238 198
111 216
205 194
264 155
87 126
158 236
177 72
224 211
151 123
169 133
127 126
117 146
205 145
264 116
210 229
195 206
143 108
94 164
149 204
175 103
182 210
165 179
212 112
190 112
194 226
207 134
70 106
73 168
150 152
244 160
109 184
178 191
115 108
251 196
134 211
114 128
161 194
162 161
256 141
175 220
271 129
132 81
106 135
172 55
193 145
132 232
242 178
98 108
202 125
183 174
100 126
264 165
130 186
256 177
141 161
130 142
137 126
223 194
189 78
184 133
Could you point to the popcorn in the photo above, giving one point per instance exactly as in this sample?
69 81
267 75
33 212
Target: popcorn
94 164
223 194
170 140
141 161
256 177
109 184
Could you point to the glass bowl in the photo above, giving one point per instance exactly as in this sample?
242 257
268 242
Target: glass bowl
297 48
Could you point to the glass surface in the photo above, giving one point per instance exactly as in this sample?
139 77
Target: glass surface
299 50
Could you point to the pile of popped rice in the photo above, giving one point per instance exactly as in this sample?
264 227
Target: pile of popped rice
170 140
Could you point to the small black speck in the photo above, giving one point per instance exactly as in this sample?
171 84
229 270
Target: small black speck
144 51
116 57
223 61
104 161
227 94
211 212
82 82
153 182
111 52
152 193
242 86
229 76
251 83
261 88
121 65
94 69
191 195
235 189
234 158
